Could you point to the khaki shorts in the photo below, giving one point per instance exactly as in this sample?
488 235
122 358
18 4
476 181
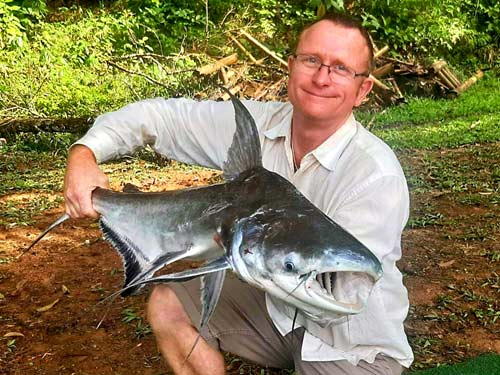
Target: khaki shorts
242 326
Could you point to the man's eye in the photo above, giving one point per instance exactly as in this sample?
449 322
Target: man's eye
310 60
341 68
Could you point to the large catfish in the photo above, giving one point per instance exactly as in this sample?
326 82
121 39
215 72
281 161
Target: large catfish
256 224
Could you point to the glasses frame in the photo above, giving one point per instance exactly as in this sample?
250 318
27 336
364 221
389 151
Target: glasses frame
331 68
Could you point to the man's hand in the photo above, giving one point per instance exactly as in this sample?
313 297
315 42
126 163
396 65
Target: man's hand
83 175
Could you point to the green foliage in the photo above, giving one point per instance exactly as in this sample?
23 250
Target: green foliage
11 29
461 31
63 70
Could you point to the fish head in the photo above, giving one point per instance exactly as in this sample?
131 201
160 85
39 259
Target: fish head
306 260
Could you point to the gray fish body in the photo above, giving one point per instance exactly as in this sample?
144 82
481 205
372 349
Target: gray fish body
272 236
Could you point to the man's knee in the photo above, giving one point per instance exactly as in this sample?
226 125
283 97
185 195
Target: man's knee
166 315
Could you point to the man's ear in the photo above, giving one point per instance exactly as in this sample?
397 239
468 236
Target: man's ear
364 89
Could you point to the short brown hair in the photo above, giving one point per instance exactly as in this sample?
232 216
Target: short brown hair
347 21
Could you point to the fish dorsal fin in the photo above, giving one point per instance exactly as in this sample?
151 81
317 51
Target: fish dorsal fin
244 153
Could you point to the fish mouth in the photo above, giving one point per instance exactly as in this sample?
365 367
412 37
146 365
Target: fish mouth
332 293
344 289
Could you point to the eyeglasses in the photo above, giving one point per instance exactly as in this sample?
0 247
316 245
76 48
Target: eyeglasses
311 64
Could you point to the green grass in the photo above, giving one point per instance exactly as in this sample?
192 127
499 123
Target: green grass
481 98
488 364
424 123
454 133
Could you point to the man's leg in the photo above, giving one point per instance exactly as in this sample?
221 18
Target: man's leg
175 335
240 325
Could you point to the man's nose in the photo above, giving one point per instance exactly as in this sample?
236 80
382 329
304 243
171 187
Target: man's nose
322 75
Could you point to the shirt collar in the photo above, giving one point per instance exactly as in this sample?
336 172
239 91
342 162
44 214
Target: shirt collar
329 152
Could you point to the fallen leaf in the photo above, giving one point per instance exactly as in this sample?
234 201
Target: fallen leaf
13 334
446 264
19 287
47 307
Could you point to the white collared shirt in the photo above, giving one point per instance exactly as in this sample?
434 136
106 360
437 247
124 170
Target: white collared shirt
353 177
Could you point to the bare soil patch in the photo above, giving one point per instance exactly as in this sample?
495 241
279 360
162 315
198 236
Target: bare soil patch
50 299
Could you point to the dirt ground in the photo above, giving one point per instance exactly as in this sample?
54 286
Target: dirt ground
50 298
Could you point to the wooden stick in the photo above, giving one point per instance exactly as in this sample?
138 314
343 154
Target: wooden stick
245 51
379 84
233 91
223 75
380 52
383 70
468 83
396 88
210 68
265 49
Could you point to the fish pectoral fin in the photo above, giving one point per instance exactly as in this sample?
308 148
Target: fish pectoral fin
211 288
216 265
158 263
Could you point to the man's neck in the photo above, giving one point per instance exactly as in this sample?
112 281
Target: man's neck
307 135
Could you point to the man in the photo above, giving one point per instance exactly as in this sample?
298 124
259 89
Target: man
314 142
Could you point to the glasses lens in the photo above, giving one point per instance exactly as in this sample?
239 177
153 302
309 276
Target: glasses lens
308 61
341 71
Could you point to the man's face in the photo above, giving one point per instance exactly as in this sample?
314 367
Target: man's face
314 94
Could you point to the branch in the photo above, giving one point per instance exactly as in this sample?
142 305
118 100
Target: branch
148 78
35 125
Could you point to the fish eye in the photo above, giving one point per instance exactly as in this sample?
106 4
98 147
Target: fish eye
289 266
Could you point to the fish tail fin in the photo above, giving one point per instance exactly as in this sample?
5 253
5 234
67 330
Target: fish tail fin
132 263
62 219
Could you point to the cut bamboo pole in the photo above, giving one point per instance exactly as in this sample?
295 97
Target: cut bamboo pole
245 51
451 76
468 83
380 52
210 68
440 67
233 91
258 44
379 84
383 70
